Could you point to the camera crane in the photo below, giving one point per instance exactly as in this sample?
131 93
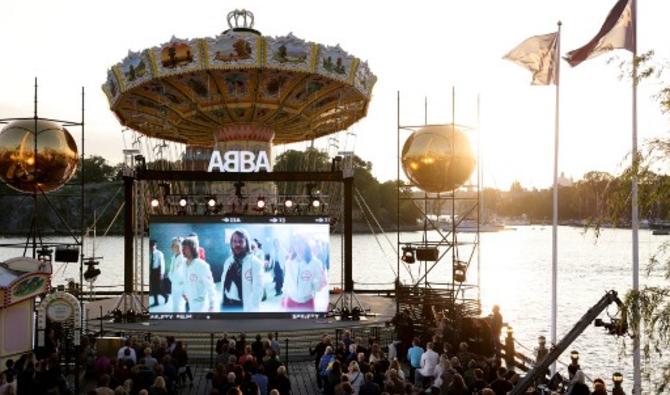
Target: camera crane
617 327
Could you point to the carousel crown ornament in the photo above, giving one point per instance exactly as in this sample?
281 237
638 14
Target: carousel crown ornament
235 16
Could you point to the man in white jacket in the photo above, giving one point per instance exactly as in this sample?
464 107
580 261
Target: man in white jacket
242 278
198 287
176 275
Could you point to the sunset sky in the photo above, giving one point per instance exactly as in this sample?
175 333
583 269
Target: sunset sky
421 49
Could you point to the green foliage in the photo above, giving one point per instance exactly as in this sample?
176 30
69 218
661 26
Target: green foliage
96 169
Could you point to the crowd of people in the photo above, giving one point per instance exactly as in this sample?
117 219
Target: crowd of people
446 360
354 366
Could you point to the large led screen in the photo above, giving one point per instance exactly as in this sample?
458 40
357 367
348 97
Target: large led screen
208 265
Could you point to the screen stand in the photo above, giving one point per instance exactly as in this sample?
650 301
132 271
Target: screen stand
129 303
347 306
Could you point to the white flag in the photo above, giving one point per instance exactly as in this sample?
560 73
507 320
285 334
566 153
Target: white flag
537 54
616 32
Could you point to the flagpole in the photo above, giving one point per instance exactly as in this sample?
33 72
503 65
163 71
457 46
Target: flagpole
554 228
637 372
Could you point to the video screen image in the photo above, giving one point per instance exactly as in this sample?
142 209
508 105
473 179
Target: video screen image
238 265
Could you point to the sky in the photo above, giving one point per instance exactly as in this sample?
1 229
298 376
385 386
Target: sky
420 49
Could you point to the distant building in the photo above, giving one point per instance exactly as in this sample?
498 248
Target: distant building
563 181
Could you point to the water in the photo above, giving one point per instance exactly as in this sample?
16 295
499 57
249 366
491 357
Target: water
515 274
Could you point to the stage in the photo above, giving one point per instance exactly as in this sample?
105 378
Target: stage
381 309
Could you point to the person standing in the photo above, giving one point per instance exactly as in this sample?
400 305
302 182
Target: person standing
304 277
198 290
277 261
414 358
242 279
176 275
318 352
156 273
429 361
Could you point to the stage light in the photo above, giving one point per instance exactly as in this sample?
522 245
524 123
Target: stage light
460 269
408 254
288 203
316 203
92 272
211 202
260 203
356 314
183 201
140 162
154 203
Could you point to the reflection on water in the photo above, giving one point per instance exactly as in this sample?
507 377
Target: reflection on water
515 273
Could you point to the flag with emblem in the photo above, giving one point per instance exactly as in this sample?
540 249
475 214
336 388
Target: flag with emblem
537 54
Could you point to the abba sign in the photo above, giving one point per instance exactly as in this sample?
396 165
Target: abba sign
238 161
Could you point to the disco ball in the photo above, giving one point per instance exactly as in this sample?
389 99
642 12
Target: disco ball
438 158
56 160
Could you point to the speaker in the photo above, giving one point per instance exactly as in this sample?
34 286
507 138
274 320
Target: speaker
426 253
67 254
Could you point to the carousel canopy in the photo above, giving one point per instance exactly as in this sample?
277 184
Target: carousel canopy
191 90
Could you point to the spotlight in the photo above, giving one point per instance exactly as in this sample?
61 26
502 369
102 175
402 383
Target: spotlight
183 201
460 269
211 202
140 162
260 203
92 272
408 254
316 203
288 203
154 202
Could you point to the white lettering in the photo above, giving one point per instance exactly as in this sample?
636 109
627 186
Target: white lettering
238 161
215 161
247 164
231 163
262 161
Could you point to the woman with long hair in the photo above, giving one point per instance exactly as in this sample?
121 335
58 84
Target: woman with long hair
198 289
304 276
176 275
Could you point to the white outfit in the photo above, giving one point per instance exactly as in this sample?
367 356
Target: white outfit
252 282
356 379
429 360
198 286
121 353
302 280
177 279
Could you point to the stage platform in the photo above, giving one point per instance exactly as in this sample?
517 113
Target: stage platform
381 310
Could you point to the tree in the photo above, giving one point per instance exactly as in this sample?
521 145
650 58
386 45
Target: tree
648 308
96 169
